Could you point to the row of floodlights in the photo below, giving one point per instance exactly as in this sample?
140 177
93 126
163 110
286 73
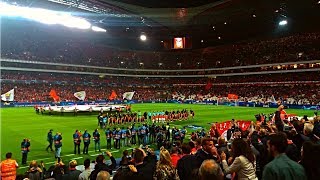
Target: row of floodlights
47 17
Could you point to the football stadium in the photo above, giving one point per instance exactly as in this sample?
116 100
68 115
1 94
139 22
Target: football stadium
165 90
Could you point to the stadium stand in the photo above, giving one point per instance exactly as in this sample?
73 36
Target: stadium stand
282 69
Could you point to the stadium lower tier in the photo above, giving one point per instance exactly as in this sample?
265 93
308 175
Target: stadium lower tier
293 93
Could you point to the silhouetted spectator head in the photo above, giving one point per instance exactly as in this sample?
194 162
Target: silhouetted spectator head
73 163
139 155
185 148
207 144
308 129
277 143
86 163
241 147
221 141
174 150
103 175
209 169
100 159
165 158
8 155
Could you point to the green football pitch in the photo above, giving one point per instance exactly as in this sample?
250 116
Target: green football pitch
19 123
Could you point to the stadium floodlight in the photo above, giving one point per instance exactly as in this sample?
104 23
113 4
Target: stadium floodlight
283 23
75 22
143 37
98 29
44 16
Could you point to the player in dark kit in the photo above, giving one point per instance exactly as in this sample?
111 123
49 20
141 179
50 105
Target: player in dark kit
86 141
25 147
50 140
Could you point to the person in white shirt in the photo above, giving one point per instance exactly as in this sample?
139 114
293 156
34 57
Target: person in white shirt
244 164
87 171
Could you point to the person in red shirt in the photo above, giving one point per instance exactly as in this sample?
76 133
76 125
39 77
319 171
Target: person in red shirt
174 156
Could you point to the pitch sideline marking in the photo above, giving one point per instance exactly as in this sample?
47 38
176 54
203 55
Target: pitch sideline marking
48 163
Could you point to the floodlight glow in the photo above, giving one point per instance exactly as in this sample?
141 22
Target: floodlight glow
74 22
143 37
283 22
98 29
44 16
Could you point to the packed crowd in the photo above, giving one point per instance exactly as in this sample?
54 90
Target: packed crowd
37 46
287 49
135 81
298 66
291 94
276 149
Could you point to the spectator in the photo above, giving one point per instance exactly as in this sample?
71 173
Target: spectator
244 164
208 151
87 171
103 175
8 167
222 146
191 146
316 128
281 167
310 158
101 166
292 151
165 169
34 172
72 173
209 170
125 158
185 167
124 173
175 156
145 166
59 169
308 133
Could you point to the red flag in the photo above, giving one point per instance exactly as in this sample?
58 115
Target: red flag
113 95
54 95
208 86
244 125
224 126
233 96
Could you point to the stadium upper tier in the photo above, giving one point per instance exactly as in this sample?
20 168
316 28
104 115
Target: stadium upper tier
37 46
52 78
